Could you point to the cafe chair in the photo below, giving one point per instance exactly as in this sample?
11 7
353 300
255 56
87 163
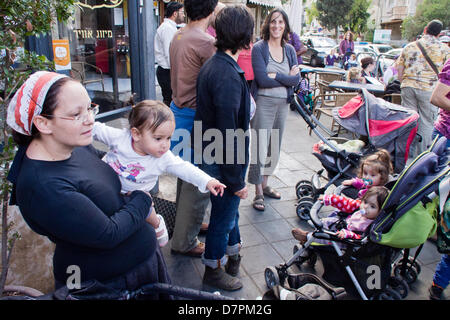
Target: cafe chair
79 73
338 99
395 98
330 76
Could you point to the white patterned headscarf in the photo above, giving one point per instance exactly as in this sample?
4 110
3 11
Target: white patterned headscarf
28 100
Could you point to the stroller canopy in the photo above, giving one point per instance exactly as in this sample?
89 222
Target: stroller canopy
386 125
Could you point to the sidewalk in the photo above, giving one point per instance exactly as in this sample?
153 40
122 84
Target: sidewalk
266 236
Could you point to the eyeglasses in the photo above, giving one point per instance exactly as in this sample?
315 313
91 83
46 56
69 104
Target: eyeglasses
92 111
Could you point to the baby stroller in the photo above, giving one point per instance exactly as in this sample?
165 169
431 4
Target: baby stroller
383 124
304 92
339 163
407 218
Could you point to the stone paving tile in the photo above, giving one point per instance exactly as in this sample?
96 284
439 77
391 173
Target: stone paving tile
255 216
285 208
274 230
256 259
291 177
285 248
250 236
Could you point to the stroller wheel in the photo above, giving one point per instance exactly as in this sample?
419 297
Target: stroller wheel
410 274
412 270
399 285
388 294
271 277
304 188
304 208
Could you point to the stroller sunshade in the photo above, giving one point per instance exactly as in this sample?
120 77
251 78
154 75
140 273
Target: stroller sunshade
386 125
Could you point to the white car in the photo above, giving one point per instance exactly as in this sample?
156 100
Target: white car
394 52
380 48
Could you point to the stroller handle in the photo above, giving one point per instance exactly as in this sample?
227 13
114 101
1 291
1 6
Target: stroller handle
314 214
180 292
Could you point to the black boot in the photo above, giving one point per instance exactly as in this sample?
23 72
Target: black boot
232 266
220 279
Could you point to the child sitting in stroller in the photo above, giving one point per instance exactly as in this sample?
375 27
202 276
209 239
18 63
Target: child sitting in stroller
374 170
304 91
355 224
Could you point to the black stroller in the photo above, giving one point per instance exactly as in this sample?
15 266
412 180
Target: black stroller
406 220
380 123
95 290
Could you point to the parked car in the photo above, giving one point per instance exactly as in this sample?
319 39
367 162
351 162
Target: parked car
387 59
380 48
318 49
394 52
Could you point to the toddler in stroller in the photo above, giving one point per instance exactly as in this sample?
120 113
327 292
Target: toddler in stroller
374 170
354 224
407 218
304 91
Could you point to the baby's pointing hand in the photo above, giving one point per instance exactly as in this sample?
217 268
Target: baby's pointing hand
216 187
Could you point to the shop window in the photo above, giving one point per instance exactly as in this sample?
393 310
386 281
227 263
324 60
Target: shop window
99 47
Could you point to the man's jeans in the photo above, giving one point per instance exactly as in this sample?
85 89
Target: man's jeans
223 237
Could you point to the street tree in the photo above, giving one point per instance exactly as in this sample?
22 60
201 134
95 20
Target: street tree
358 16
428 10
19 19
333 13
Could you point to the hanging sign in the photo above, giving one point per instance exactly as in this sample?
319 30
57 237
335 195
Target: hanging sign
61 54
105 4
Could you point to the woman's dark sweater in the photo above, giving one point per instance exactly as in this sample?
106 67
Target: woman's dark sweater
77 204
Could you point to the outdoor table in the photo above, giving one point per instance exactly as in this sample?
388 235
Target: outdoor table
322 70
348 86
316 71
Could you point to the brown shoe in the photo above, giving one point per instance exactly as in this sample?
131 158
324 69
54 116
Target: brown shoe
299 235
232 266
220 279
204 228
196 252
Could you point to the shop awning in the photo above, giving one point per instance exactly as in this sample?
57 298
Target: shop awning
267 3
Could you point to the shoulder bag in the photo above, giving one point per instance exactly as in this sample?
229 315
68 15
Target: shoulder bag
430 62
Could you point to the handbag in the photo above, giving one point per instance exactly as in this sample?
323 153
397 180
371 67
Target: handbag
430 62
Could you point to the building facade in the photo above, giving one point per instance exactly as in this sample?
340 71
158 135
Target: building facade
389 14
